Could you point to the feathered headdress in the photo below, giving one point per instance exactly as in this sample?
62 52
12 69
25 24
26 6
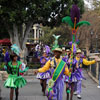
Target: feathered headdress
15 49
47 49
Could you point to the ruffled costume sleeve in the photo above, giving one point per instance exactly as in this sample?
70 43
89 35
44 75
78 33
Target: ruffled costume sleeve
45 67
20 70
86 62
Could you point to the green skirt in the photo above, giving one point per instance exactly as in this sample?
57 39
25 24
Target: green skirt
15 81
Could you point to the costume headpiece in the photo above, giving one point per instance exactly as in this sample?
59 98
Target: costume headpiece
56 41
47 49
78 51
68 50
57 49
15 49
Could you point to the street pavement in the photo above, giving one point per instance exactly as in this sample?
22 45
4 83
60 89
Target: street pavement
32 91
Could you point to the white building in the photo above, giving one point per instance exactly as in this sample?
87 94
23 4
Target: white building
35 34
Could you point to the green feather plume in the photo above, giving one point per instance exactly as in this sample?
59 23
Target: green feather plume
68 20
82 23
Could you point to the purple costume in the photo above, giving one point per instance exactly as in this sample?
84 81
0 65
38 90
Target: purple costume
75 76
7 57
45 75
78 84
58 85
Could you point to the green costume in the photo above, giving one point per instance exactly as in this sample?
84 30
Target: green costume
14 79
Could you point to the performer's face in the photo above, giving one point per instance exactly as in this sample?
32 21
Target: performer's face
45 54
57 54
78 55
67 52
63 51
15 58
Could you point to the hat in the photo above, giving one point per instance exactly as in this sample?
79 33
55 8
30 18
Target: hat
57 49
67 49
63 48
78 51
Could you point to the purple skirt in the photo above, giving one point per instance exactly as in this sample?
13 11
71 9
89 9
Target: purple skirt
76 76
45 75
66 78
73 78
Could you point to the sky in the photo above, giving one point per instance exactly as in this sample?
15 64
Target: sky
88 3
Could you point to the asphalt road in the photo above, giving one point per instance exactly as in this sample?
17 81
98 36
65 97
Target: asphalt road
32 91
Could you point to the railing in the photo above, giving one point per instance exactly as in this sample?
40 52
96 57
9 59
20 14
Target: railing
94 69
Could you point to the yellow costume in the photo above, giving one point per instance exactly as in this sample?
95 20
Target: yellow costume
86 62
48 65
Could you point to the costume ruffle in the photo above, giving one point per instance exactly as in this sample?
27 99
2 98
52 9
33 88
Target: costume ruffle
15 81
44 75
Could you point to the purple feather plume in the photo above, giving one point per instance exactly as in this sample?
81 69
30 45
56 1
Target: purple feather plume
7 57
75 12
70 43
47 48
77 42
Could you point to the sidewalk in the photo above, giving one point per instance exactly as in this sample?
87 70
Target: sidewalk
32 91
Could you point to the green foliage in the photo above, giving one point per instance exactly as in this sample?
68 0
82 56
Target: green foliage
2 65
81 6
22 11
62 30
34 66
47 12
96 4
3 32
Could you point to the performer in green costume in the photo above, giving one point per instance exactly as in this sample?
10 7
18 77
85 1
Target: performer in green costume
13 68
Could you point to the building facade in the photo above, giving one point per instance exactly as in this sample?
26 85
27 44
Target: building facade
35 34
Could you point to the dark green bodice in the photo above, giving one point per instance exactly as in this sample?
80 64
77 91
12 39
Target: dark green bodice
14 69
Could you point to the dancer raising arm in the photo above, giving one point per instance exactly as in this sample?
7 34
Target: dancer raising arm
58 67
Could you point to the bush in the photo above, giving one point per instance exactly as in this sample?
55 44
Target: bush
30 65
2 65
33 65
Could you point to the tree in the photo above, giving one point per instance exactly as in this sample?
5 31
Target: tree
96 4
3 32
85 32
18 16
62 30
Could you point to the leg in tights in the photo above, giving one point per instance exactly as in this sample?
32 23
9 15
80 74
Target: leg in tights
11 93
72 90
16 92
44 86
41 82
67 89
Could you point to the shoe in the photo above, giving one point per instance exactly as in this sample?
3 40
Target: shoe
98 87
75 93
44 94
79 96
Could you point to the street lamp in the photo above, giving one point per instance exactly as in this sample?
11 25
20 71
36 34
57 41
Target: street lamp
91 49
96 43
